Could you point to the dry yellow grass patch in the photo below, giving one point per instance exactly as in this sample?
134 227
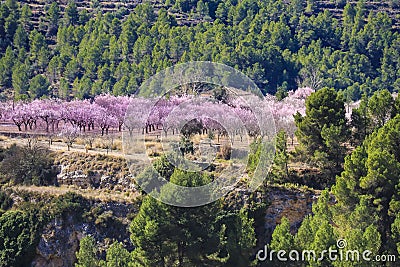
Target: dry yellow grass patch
100 194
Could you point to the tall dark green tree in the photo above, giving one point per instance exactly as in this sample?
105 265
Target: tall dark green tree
39 86
86 255
53 16
6 66
164 234
323 130
20 80
71 15
360 122
370 181
380 107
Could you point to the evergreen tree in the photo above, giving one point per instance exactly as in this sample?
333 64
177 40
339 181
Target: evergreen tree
360 122
117 256
20 81
53 16
20 38
380 106
323 130
71 15
86 255
6 66
282 239
370 181
39 86
26 17
280 168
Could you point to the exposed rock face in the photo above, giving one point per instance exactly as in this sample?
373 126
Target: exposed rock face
93 179
58 244
293 204
60 238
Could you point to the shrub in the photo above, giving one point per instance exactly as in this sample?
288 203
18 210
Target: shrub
19 235
5 200
31 164
226 151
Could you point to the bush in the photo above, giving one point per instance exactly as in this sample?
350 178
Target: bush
226 151
19 235
69 203
254 156
31 164
5 200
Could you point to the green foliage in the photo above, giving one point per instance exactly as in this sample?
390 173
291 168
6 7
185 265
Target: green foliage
19 236
254 156
237 238
69 203
369 184
6 66
117 256
164 234
316 231
380 107
39 86
30 164
164 167
86 255
323 131
20 80
280 169
282 239
278 50
71 16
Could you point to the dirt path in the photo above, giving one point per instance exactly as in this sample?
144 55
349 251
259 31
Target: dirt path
60 146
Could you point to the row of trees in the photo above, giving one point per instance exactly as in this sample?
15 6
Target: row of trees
275 43
169 114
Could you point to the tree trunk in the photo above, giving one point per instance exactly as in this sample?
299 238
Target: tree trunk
180 254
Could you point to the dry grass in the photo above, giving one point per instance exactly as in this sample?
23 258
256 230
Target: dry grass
103 143
100 194
103 164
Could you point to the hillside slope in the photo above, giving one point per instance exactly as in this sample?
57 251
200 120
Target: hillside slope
39 8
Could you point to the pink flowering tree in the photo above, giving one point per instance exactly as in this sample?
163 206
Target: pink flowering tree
69 134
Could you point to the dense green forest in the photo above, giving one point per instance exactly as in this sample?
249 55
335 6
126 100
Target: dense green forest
280 45
352 163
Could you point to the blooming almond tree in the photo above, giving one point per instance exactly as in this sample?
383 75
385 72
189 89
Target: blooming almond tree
69 134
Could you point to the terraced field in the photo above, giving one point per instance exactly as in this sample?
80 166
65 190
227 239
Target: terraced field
39 6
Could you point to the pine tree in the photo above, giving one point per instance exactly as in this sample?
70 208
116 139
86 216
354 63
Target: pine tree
39 86
323 130
6 66
71 15
20 38
86 255
117 256
53 16
380 106
20 80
